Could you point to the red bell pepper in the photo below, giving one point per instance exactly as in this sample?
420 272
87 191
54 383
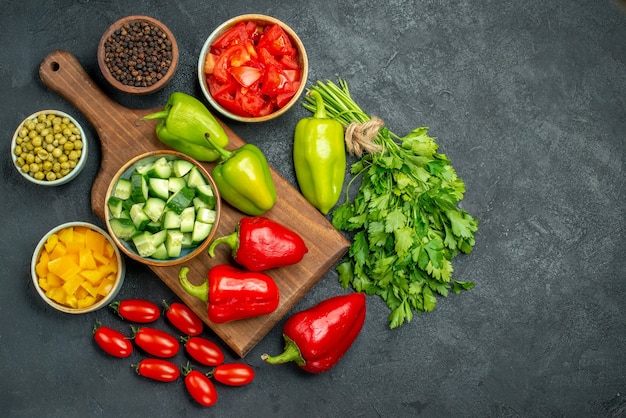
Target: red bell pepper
317 338
233 294
259 243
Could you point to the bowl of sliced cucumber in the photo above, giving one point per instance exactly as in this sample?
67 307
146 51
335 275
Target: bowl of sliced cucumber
162 208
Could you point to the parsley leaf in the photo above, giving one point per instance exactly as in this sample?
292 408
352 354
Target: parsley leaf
408 224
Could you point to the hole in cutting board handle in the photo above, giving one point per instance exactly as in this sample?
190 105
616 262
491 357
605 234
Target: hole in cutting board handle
55 66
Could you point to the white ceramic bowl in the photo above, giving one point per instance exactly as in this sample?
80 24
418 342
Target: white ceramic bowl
266 20
73 172
101 300
125 172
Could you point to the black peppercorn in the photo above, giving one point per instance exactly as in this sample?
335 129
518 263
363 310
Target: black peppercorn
138 54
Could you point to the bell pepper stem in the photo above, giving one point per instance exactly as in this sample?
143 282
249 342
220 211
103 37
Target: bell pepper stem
320 110
200 291
230 240
225 154
161 114
291 353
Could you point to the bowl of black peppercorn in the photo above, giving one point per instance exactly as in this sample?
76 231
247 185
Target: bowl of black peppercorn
138 55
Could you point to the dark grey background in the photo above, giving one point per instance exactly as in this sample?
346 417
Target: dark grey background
528 99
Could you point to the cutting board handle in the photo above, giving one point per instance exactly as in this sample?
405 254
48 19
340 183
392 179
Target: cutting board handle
121 132
63 74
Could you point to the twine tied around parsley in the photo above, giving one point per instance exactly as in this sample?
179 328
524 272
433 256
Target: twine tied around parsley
359 137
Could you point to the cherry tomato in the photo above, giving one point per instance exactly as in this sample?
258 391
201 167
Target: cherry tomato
183 318
204 351
158 369
200 388
112 342
233 374
156 342
136 310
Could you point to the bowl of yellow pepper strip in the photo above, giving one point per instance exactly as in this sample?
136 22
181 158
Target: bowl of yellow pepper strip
77 268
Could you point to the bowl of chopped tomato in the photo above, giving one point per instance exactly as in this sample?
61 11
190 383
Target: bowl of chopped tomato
252 68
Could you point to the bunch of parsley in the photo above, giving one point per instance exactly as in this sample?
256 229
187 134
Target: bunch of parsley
405 217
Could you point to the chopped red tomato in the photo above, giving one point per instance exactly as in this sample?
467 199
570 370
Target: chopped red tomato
235 56
267 108
245 75
254 31
276 41
292 75
283 98
227 99
252 70
217 88
266 58
289 62
251 101
234 36
276 82
209 63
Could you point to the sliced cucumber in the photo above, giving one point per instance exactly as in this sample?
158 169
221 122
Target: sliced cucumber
159 238
195 178
122 189
206 215
143 244
159 188
206 194
174 184
123 228
171 220
154 208
153 227
199 203
160 253
187 242
139 188
143 168
187 219
181 200
174 243
138 216
181 167
201 230
116 206
161 168
128 203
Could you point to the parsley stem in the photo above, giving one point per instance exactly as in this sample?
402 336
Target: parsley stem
407 224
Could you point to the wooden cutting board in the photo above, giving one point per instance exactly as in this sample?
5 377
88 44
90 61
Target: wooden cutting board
124 135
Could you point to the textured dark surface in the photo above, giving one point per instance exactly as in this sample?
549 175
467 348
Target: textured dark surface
527 98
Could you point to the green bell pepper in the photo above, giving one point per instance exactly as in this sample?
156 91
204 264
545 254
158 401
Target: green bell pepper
243 179
184 123
319 156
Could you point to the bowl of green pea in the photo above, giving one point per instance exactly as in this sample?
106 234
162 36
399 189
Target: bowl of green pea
49 148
